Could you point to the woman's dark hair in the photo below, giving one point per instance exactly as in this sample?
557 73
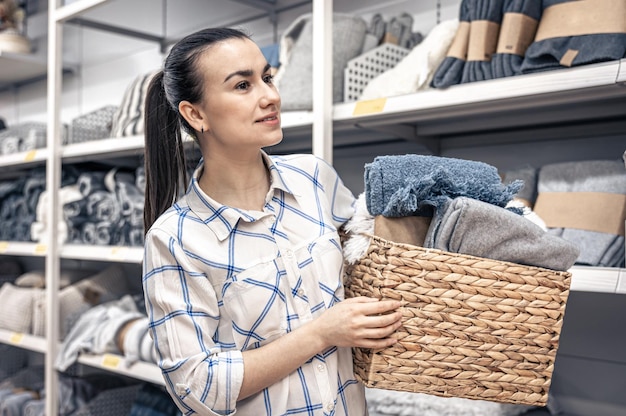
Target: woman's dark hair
180 80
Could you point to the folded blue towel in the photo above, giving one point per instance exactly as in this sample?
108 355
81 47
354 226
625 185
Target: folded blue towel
509 64
450 71
480 10
397 186
551 53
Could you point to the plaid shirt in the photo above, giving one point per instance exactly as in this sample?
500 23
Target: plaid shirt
219 280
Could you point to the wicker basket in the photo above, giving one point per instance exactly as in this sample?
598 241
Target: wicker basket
472 327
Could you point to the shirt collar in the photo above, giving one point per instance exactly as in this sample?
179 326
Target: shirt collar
222 219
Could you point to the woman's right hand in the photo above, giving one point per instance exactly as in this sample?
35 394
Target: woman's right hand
360 322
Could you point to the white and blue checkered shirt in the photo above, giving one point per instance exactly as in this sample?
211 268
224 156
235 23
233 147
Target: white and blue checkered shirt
220 280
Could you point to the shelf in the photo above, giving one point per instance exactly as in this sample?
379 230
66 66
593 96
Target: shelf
24 159
104 148
598 279
18 69
118 254
115 363
18 248
110 362
25 341
558 97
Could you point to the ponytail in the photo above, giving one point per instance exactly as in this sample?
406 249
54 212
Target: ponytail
166 174
165 171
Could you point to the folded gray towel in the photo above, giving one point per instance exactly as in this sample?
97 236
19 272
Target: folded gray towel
468 226
397 186
606 176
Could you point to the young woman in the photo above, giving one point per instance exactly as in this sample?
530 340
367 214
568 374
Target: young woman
243 274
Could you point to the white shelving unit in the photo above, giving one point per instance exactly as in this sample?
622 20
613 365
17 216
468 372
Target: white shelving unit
548 104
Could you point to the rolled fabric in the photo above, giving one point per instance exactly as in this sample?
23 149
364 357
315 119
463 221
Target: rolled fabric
129 198
90 182
577 200
485 19
140 179
104 232
88 233
468 226
450 71
575 32
103 206
519 26
397 186
136 236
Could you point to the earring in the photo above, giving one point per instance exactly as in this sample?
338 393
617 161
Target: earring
202 130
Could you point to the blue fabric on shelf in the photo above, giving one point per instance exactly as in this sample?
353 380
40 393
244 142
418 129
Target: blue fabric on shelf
547 54
450 71
508 64
90 182
405 185
153 401
492 11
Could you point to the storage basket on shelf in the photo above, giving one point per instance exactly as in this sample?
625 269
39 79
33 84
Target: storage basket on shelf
361 70
472 327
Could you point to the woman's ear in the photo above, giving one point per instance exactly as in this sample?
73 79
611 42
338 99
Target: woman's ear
192 115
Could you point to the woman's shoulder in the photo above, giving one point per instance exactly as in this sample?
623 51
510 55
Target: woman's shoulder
308 163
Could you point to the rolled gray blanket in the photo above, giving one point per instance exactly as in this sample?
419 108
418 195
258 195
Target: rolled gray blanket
450 71
103 206
519 26
90 182
468 226
397 186
600 186
485 18
573 33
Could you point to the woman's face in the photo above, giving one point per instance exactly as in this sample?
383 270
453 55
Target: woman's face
240 103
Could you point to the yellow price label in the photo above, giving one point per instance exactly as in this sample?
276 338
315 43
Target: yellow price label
111 361
4 246
118 253
30 155
16 338
369 106
40 249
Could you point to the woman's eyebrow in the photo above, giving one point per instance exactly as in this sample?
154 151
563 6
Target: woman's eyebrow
246 72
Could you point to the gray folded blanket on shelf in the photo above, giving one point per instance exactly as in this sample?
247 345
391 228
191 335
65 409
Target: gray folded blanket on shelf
404 185
468 226
519 26
450 70
573 32
579 200
485 18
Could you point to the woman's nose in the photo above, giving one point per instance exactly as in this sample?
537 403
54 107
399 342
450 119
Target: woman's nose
270 95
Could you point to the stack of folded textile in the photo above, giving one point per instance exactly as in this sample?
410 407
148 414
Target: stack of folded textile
585 203
456 205
577 32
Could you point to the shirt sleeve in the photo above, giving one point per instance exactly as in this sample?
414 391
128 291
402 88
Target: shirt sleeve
200 375
340 199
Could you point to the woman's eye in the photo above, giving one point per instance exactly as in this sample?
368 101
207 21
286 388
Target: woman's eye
268 79
242 85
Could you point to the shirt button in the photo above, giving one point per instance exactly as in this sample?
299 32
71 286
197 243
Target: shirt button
329 407
321 368
289 254
301 292
181 389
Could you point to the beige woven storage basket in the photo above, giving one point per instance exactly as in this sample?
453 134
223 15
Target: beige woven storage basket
472 327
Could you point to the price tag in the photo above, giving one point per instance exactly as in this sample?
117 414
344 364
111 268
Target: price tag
40 249
16 338
30 155
118 253
4 246
111 361
369 106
